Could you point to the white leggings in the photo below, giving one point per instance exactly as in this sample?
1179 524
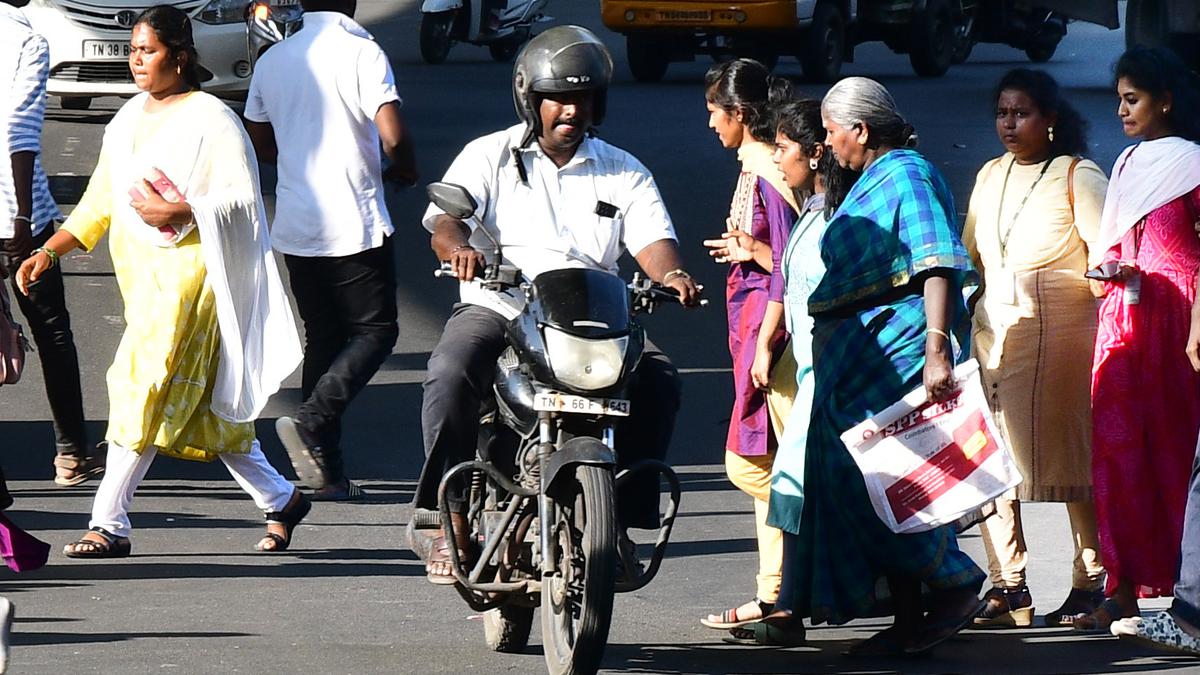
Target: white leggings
125 470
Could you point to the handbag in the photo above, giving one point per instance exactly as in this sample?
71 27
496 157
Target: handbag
13 344
22 552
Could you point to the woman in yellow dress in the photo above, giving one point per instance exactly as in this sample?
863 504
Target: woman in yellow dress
209 335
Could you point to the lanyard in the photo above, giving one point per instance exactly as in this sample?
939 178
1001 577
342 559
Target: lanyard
1000 210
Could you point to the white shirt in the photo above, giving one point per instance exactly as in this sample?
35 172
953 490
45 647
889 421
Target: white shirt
553 223
24 67
320 89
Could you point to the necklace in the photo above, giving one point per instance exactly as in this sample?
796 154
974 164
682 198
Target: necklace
1000 210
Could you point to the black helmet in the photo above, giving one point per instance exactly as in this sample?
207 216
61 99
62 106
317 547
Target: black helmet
562 59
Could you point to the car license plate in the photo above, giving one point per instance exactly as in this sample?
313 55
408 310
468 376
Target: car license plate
553 401
106 49
683 15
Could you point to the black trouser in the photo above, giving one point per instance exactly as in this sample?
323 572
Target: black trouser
49 324
348 305
460 374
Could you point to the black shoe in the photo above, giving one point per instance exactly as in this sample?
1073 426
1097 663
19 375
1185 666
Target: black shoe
305 451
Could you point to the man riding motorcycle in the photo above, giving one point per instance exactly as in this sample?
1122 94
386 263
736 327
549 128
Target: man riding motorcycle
554 196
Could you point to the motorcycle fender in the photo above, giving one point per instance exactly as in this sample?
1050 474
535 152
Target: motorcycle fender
578 450
432 6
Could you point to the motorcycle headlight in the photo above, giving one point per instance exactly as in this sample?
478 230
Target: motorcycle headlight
223 11
585 364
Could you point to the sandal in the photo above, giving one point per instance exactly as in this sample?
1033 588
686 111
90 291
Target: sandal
729 618
767 633
1159 631
71 470
935 632
1079 603
109 545
887 642
297 508
1102 618
1006 608
439 553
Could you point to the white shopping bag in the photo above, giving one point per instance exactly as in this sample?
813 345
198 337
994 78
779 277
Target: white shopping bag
926 464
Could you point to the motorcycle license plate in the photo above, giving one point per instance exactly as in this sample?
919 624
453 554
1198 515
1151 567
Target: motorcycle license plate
553 401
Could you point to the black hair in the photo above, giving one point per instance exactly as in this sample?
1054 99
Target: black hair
800 121
1070 129
1159 71
174 29
747 86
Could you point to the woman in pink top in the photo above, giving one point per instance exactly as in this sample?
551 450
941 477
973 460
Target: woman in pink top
1145 395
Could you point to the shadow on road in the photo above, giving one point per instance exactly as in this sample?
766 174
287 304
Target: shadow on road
27 639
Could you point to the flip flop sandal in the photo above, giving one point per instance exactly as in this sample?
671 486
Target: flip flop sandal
304 461
886 643
1093 623
729 618
112 546
289 517
70 471
936 633
765 634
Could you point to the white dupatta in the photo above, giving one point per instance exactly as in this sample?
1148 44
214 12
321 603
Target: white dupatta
205 151
1146 176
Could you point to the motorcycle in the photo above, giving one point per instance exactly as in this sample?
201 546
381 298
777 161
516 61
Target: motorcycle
502 25
268 22
541 505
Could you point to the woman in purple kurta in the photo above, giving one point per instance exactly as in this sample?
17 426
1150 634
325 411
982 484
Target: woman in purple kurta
740 96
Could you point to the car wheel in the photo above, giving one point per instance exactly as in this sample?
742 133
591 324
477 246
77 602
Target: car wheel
932 45
821 58
647 59
76 102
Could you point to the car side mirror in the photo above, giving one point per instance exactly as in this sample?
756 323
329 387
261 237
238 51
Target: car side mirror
453 199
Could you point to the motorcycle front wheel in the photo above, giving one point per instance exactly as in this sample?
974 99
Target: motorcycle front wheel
435 39
577 601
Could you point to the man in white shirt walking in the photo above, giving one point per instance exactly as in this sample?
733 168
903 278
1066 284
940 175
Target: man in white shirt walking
552 195
28 216
320 105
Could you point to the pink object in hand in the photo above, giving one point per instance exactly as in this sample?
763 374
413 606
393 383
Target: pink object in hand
165 189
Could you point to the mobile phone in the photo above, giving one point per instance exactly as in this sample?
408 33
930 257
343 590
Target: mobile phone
1105 271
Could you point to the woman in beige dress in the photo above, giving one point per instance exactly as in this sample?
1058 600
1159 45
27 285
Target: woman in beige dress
1032 216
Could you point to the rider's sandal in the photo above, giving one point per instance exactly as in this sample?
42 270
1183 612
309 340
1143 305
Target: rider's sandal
439 554
297 508
110 546
70 470
729 618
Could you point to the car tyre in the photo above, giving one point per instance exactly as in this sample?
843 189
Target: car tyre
825 46
648 61
932 41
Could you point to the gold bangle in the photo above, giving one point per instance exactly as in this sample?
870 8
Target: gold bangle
938 331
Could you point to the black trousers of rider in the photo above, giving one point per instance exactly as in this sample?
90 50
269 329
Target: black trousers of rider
348 305
461 370
49 324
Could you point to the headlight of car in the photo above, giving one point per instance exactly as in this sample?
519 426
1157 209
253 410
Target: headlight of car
223 11
585 364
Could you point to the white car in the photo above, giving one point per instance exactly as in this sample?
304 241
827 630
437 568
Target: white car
89 45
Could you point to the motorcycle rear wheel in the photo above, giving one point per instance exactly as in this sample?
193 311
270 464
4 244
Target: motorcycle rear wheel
577 602
435 39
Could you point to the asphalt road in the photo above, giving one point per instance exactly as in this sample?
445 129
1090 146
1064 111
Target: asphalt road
350 598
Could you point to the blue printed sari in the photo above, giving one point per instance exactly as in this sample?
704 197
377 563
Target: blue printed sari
896 225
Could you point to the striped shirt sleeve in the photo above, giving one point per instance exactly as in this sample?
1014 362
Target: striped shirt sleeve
29 97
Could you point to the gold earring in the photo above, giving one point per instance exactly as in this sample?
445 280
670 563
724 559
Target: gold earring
1050 133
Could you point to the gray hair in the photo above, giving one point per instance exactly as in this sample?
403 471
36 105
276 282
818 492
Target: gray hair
861 100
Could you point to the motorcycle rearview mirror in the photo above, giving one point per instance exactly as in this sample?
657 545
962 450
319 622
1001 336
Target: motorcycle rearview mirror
453 199
458 203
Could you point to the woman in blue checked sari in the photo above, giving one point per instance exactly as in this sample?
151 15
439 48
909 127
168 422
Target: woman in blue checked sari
888 317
